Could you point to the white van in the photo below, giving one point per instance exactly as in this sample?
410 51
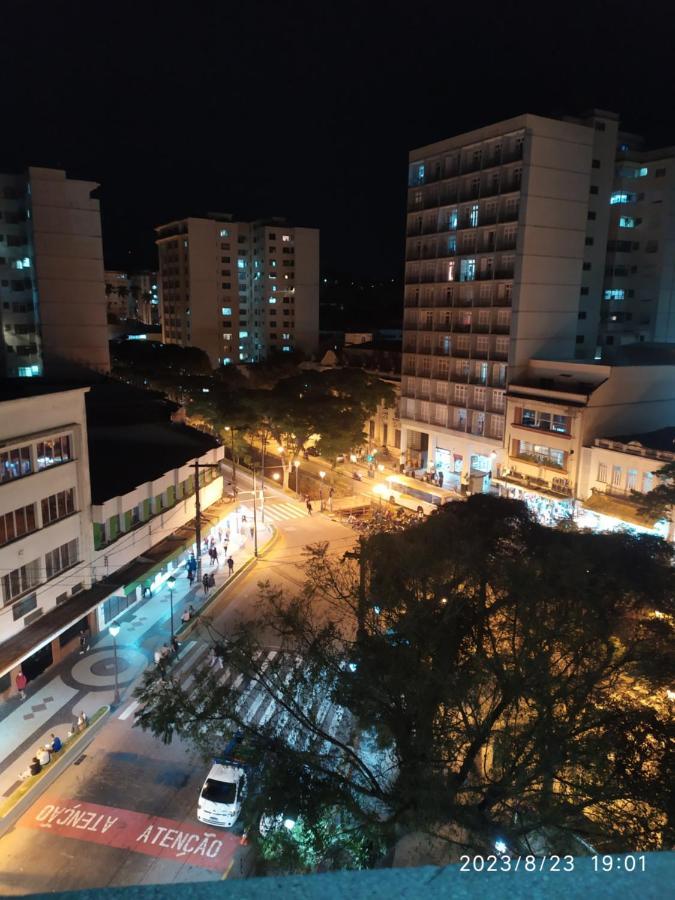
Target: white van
221 795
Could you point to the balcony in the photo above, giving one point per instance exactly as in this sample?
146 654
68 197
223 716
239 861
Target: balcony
479 354
461 352
502 301
501 328
506 245
536 459
557 488
500 354
461 327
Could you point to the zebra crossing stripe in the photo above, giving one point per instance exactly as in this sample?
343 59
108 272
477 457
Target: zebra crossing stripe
287 511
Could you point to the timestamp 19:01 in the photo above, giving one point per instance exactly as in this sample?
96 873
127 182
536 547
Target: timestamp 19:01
630 863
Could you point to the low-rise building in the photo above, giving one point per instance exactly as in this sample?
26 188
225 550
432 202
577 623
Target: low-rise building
97 484
557 409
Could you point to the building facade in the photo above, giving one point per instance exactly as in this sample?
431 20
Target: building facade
133 296
638 300
237 290
497 240
51 273
82 536
45 513
558 412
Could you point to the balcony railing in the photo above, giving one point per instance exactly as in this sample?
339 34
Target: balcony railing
536 459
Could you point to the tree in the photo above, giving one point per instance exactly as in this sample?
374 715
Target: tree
164 367
328 408
489 670
659 503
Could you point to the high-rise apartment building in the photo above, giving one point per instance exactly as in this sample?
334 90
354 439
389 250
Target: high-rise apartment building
239 290
52 296
498 241
133 296
638 301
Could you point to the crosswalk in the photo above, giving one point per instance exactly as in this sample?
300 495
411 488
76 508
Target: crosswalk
257 706
280 512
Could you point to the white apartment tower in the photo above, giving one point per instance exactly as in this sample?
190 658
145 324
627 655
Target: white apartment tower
239 290
52 294
500 246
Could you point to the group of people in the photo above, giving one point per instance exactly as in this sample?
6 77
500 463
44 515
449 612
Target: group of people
43 755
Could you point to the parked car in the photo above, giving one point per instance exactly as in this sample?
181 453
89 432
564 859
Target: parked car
221 795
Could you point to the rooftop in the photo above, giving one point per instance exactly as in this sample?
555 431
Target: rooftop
132 439
661 439
21 388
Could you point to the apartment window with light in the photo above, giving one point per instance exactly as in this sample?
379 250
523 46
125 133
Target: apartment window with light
626 222
15 463
616 476
473 216
53 452
614 294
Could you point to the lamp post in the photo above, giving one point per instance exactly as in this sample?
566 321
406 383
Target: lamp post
171 584
297 466
255 520
114 630
322 475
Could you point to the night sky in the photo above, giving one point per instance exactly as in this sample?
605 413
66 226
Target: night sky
303 109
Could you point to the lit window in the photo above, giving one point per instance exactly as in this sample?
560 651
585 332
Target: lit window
285 337
224 232
226 360
452 220
241 263
615 294
285 237
242 356
274 287
621 197
274 263
473 215
226 310
467 270
273 299
286 349
626 222
451 270
227 337
243 334
642 172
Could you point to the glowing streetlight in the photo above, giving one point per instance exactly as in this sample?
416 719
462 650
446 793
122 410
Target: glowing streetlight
322 475
276 476
296 463
114 630
380 467
352 457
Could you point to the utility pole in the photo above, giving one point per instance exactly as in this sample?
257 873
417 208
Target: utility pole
262 483
255 520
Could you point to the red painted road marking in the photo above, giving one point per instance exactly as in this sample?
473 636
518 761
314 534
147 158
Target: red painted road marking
128 830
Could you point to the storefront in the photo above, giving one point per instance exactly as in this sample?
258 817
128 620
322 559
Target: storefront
449 464
546 510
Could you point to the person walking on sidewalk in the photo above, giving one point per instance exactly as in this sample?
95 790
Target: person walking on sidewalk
230 564
21 682
308 504
84 641
205 583
212 580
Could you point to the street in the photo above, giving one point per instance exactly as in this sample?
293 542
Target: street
124 812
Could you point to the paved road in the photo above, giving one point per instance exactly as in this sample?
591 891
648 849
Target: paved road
125 812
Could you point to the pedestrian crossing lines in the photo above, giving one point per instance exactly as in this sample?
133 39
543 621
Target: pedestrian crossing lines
256 705
283 512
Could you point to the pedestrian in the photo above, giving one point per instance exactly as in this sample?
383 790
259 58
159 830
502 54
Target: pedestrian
33 769
331 492
43 756
191 576
220 535
82 721
186 616
211 554
308 504
224 548
192 612
175 646
21 682
227 536
158 657
205 583
212 580
84 641
54 744
230 564
252 531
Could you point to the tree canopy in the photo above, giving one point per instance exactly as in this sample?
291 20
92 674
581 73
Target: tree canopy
660 501
492 677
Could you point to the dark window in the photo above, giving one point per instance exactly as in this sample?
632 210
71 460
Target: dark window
586 267
580 339
594 189
582 315
596 163
651 246
599 126
589 241
591 216
659 173
23 607
584 292
609 339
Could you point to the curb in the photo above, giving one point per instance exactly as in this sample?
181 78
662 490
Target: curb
74 749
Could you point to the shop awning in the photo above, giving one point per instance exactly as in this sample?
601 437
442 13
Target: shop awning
617 508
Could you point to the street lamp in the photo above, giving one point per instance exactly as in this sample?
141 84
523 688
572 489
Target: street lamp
171 584
276 476
322 475
380 467
297 466
114 630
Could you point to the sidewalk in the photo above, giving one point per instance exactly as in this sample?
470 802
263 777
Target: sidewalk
86 682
